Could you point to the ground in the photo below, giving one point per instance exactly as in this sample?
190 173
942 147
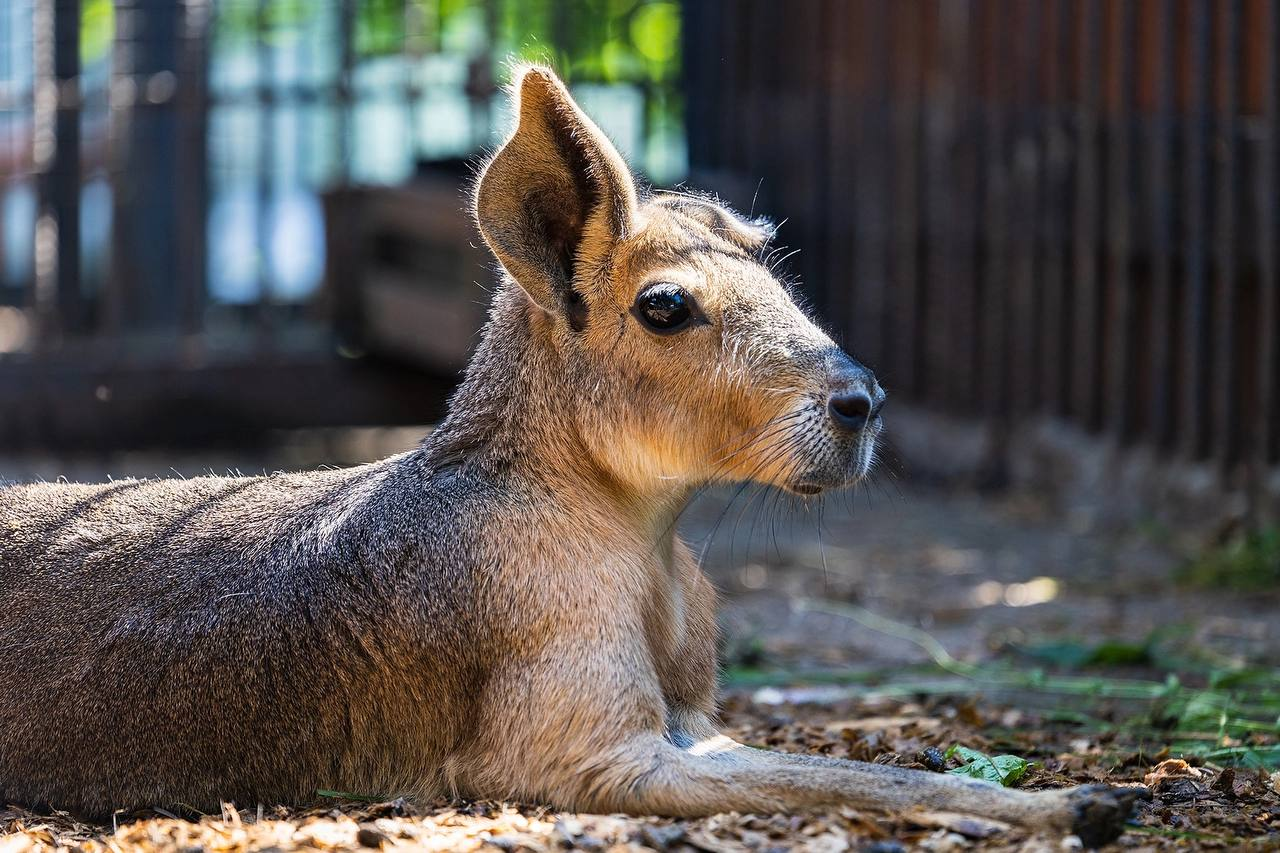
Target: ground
918 620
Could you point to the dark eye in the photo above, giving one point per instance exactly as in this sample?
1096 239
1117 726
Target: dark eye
664 308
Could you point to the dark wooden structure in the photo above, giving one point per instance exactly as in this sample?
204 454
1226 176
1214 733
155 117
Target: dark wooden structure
1017 209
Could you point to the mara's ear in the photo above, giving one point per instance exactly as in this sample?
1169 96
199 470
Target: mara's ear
556 197
752 235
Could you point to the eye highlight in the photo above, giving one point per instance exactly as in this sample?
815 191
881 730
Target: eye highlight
664 308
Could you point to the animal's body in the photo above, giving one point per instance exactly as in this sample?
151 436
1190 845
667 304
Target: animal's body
504 612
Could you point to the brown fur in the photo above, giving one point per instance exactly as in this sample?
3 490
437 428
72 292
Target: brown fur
504 612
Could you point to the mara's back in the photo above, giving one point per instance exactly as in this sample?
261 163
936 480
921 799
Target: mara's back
161 637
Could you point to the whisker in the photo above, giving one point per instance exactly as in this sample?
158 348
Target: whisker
769 458
777 453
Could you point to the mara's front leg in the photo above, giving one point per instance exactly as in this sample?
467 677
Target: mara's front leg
585 729
1096 813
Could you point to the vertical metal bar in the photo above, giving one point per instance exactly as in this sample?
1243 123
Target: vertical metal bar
119 103
345 92
952 174
972 353
907 149
697 74
1160 221
873 247
1027 158
763 26
838 218
965 397
802 89
145 139
193 163
411 55
937 134
1267 426
719 93
1119 310
8 110
1056 147
264 55
44 97
734 128
728 98
1193 381
56 155
483 127
1224 381
1084 384
994 329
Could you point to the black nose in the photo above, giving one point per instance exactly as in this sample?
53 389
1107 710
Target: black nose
851 409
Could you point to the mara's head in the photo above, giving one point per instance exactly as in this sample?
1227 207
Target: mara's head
681 356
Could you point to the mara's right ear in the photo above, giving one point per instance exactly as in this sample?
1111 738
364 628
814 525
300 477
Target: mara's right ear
751 235
555 198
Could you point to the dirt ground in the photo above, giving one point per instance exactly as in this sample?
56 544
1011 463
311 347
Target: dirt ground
1220 809
875 640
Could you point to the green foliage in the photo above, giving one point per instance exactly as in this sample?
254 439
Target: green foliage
598 40
275 21
1248 562
1198 704
604 40
1074 654
97 29
1003 770
379 27
655 32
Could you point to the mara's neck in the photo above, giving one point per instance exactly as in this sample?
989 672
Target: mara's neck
515 418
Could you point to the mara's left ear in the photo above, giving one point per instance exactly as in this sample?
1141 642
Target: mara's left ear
556 198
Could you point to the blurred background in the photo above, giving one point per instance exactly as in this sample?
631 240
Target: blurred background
210 212
233 236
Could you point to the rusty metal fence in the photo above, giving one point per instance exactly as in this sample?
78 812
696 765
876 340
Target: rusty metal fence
1017 209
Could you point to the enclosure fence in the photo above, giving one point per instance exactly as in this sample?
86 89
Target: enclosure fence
163 167
1022 209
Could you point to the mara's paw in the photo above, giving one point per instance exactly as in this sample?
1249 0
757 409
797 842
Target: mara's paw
1101 811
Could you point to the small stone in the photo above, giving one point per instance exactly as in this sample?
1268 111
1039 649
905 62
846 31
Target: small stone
367 836
888 845
661 837
1226 783
943 841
